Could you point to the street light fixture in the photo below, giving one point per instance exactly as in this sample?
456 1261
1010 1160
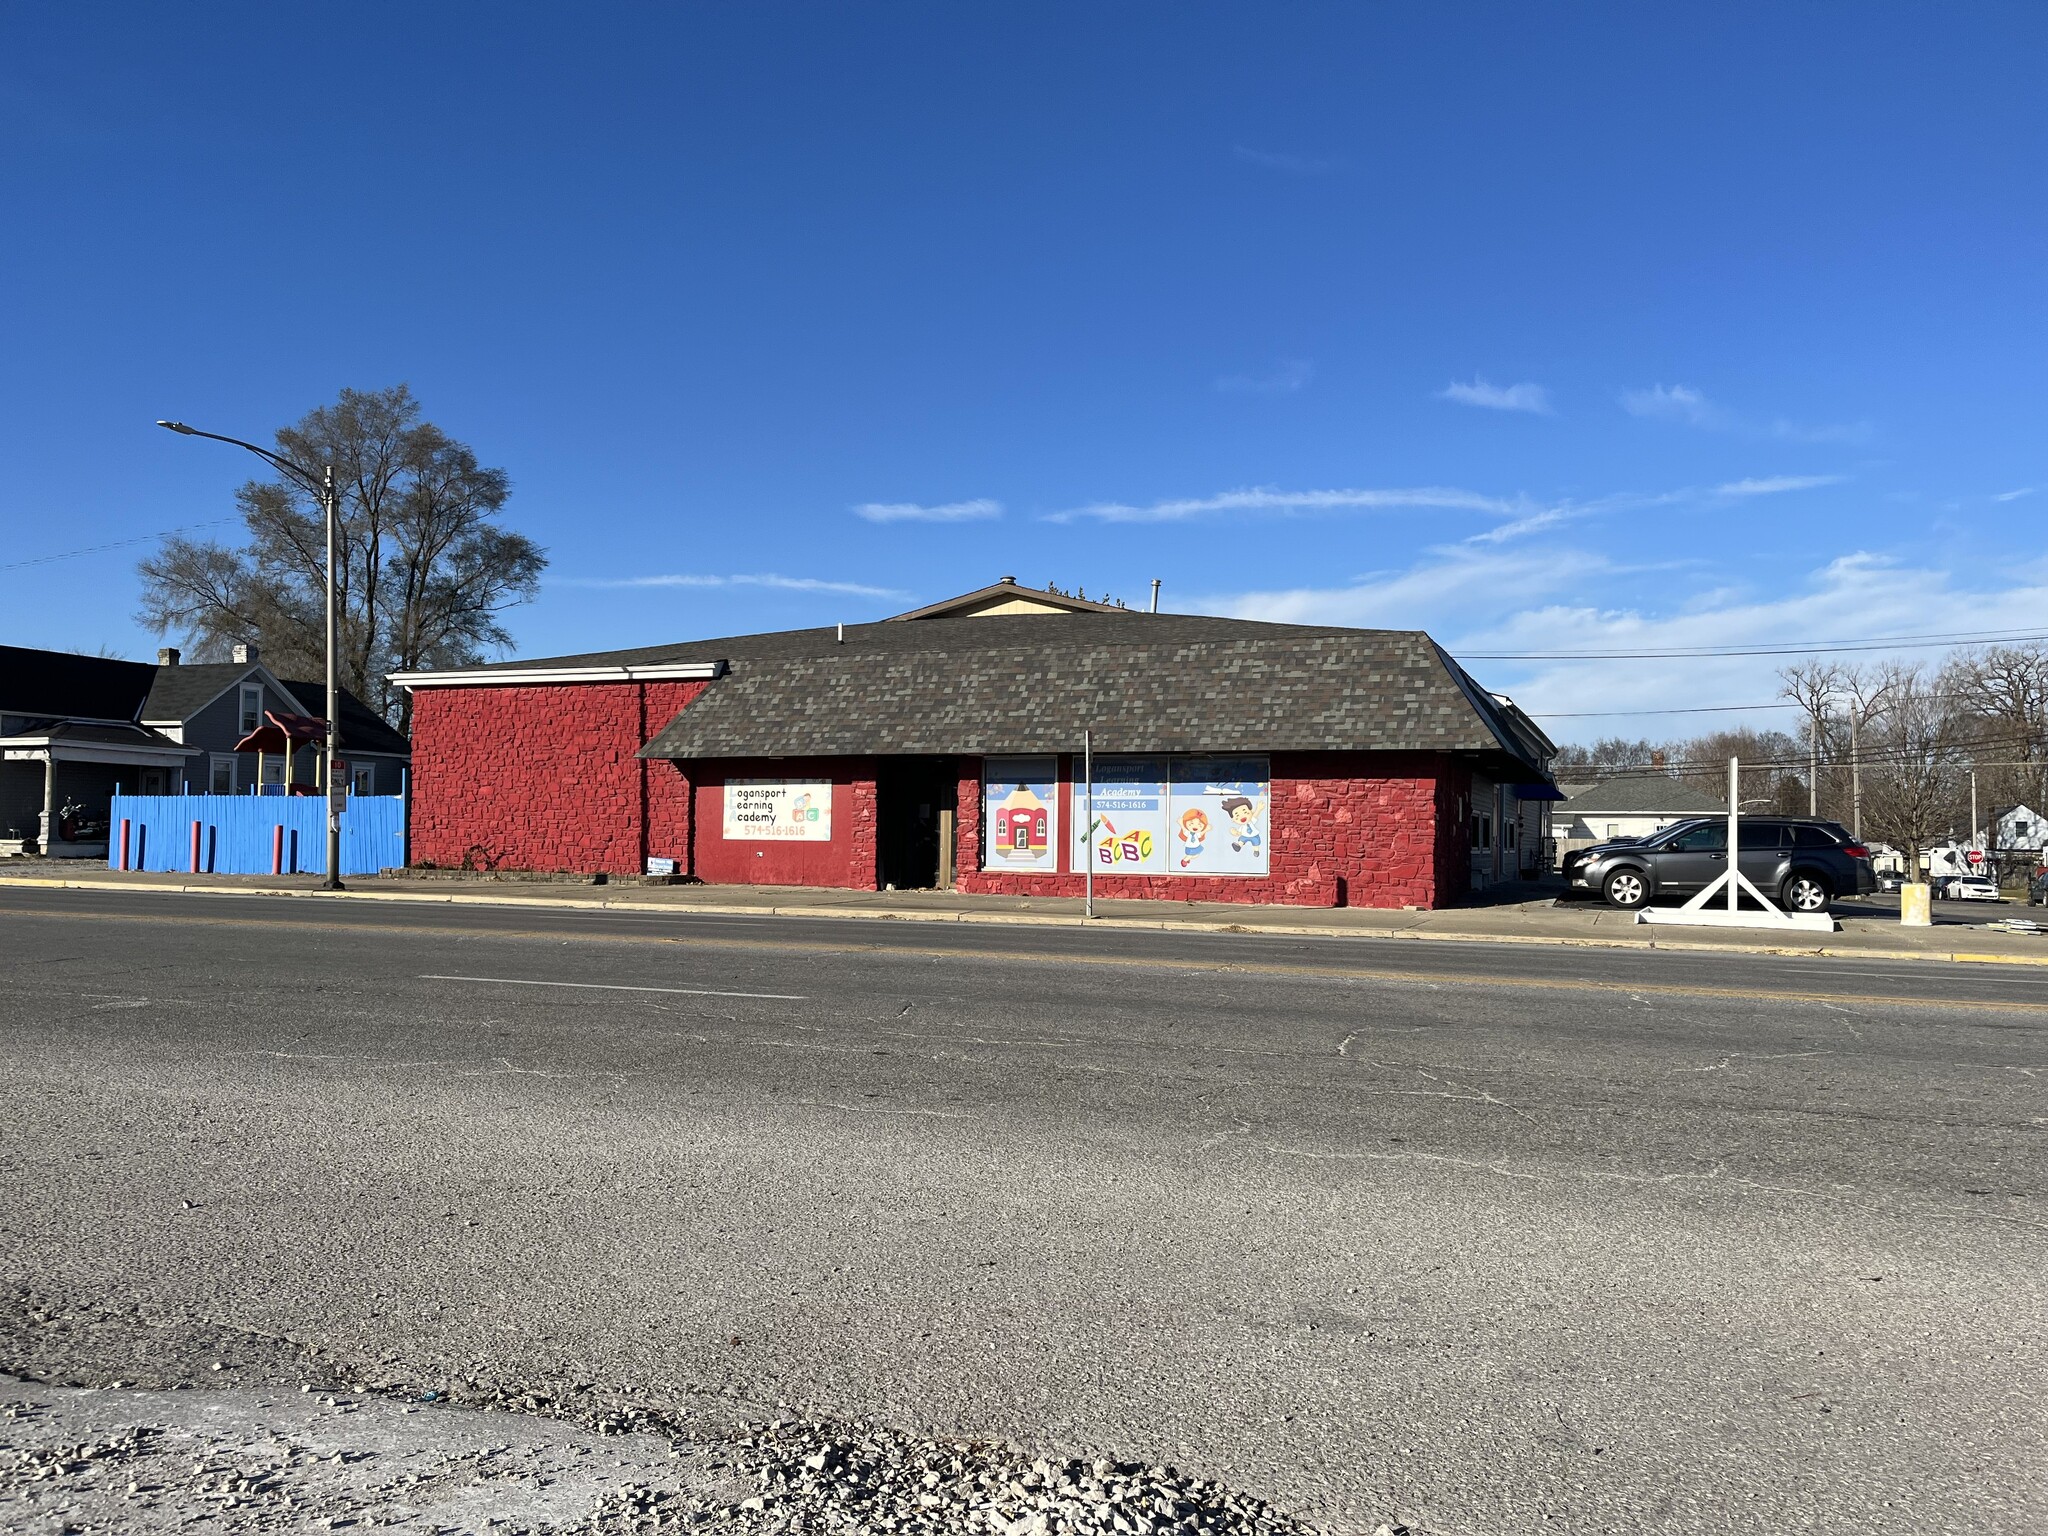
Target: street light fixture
330 502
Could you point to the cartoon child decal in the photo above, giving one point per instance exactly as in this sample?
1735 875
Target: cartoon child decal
1193 833
1244 824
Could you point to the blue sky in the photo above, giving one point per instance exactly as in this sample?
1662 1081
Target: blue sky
1537 327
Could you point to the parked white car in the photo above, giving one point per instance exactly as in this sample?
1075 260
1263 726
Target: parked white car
1968 888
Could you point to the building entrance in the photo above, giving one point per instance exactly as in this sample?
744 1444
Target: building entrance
913 817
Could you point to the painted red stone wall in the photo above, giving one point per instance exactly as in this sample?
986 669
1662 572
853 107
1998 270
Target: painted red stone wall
547 778
1347 829
544 777
848 861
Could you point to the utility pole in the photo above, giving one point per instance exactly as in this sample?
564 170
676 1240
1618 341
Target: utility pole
1856 775
1813 766
1813 688
1869 697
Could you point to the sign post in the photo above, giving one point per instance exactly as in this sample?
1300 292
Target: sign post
1088 842
1698 913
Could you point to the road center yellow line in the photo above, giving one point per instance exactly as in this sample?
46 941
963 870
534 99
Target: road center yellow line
1308 971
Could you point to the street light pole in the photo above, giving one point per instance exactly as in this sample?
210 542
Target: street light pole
330 507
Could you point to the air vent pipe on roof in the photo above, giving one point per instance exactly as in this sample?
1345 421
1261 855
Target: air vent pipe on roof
1155 594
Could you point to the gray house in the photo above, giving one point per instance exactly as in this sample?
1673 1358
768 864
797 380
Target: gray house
1631 805
73 728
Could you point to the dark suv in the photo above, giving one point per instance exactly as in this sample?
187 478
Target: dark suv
1802 865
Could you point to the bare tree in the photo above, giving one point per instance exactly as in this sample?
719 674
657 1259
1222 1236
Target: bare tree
2004 691
1768 781
1866 695
1609 756
422 572
1813 687
1916 775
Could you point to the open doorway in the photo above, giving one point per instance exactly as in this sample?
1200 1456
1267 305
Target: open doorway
913 802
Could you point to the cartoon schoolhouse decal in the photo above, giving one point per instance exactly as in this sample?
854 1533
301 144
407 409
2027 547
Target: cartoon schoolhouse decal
1020 802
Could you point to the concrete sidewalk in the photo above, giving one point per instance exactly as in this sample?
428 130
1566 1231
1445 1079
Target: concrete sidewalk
1525 916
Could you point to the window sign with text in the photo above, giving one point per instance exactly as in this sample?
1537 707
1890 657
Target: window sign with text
778 810
1020 815
1130 836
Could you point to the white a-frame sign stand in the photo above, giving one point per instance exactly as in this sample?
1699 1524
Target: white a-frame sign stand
1698 914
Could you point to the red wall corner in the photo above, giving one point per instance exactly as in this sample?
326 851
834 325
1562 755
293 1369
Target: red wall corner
543 777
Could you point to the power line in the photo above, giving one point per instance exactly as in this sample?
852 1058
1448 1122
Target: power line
1957 759
141 538
1694 709
1711 709
1700 652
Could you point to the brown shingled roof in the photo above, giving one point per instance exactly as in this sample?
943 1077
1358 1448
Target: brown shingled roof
1173 683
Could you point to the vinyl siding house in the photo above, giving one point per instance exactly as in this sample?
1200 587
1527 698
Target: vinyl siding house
1631 805
74 728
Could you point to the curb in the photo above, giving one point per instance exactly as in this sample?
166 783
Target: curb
1037 920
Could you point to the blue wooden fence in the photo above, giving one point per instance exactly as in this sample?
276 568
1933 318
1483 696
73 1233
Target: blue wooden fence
238 833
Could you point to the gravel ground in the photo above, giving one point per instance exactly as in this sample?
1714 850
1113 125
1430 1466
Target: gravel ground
236 1432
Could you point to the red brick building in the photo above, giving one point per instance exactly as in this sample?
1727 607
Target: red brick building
1231 760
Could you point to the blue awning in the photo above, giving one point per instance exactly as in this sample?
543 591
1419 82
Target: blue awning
1536 792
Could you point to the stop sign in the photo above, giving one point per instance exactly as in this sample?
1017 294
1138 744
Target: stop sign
1976 855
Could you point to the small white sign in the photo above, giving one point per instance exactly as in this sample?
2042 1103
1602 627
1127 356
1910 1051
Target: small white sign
778 811
660 866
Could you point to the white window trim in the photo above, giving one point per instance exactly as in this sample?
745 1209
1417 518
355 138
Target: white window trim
474 677
242 702
215 762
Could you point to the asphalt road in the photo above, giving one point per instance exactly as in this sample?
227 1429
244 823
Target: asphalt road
1487 1239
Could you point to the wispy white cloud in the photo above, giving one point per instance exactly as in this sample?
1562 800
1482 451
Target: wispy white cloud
1286 165
1523 514
1286 379
1444 582
1849 433
1776 485
1521 527
1533 398
1570 511
981 509
1455 594
2025 490
1834 603
1673 402
770 581
1687 405
1268 499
